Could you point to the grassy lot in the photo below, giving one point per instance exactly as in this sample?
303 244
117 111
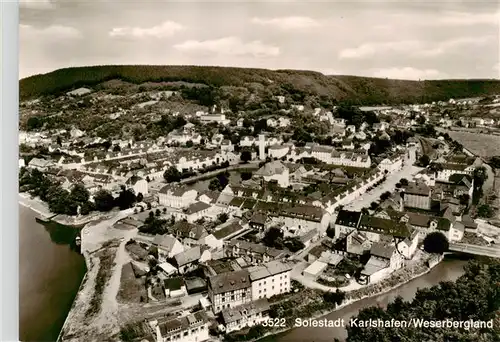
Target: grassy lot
132 289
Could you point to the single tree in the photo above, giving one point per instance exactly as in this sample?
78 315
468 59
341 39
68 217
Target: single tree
485 211
126 198
139 197
172 175
246 156
424 160
436 242
480 176
246 175
273 237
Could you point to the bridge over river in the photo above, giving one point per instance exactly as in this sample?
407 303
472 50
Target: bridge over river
489 251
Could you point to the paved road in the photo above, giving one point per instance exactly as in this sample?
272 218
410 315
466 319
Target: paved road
491 251
407 171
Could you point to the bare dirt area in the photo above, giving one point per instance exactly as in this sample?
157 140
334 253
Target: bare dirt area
110 295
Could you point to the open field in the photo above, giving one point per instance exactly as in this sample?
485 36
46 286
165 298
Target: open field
483 145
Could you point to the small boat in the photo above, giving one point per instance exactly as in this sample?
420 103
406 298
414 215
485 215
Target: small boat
78 240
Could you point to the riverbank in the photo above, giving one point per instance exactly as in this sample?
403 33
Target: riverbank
50 273
42 209
396 280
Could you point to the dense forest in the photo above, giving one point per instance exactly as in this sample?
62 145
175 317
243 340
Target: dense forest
474 296
350 89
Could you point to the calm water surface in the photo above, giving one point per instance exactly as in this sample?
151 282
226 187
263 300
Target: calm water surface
50 273
448 270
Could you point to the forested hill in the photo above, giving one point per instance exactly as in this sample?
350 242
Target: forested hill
357 90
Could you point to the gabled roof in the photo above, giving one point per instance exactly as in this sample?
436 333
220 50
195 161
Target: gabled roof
383 226
180 324
246 310
173 284
197 207
227 230
230 281
255 248
420 189
165 241
188 230
382 251
348 218
188 256
133 180
273 168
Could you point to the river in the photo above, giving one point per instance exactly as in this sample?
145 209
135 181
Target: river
448 270
50 273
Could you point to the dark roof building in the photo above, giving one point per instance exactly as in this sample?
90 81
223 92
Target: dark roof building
230 281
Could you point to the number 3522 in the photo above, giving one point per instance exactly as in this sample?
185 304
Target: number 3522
274 322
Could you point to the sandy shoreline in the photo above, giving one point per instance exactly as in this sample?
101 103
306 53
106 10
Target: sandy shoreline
34 204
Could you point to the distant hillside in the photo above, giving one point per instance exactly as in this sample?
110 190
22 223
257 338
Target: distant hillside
358 90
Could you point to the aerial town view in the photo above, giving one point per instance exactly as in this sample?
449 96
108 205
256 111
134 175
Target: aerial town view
163 200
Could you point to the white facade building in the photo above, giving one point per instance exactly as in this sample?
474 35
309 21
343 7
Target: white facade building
177 197
270 279
190 328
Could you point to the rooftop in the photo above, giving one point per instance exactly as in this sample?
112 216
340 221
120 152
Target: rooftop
229 281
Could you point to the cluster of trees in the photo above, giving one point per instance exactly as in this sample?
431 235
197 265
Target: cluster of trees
34 123
354 116
172 175
155 225
169 123
274 238
475 295
219 182
60 201
336 297
204 96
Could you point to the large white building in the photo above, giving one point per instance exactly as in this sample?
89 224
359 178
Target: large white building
270 279
302 217
275 171
218 118
329 155
278 151
177 197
